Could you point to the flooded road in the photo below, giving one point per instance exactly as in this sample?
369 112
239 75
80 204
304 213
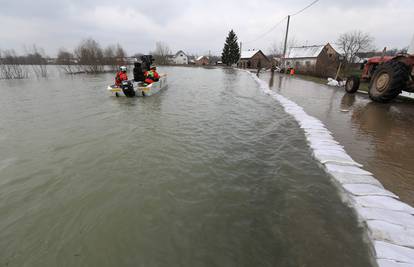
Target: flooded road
379 136
211 172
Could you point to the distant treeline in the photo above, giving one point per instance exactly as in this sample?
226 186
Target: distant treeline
87 57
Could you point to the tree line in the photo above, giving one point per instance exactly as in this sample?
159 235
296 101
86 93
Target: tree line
87 57
90 57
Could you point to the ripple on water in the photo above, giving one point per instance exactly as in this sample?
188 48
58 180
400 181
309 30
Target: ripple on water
208 173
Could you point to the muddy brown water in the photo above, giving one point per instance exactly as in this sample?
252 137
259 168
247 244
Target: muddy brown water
210 172
379 136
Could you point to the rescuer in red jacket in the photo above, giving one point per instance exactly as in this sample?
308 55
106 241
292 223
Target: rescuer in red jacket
121 75
151 75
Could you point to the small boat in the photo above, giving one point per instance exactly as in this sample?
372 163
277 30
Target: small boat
131 89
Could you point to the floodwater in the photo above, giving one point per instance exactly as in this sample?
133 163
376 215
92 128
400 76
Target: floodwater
379 136
211 172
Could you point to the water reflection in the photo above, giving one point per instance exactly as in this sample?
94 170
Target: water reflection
347 101
209 173
272 79
379 136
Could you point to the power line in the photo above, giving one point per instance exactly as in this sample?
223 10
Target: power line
303 9
280 22
269 31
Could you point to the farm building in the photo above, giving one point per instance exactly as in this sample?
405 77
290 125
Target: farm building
180 58
202 60
253 59
318 60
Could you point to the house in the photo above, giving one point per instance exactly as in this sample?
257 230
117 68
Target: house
253 59
202 60
318 60
180 58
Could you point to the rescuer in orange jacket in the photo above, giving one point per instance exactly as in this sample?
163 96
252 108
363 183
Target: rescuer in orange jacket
121 75
151 75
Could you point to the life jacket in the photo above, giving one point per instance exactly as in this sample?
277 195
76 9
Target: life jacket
151 76
120 76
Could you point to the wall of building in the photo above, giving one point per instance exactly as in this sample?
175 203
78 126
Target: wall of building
180 59
202 61
327 63
253 62
302 65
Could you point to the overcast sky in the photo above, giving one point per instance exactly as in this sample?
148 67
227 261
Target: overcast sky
196 26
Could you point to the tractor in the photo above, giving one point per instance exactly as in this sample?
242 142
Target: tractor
387 76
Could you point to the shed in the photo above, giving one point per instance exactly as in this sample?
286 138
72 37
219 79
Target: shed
202 60
253 59
319 60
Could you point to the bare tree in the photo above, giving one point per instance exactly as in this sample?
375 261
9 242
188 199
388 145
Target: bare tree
66 61
109 57
10 66
161 53
36 57
90 56
351 43
114 56
120 55
276 49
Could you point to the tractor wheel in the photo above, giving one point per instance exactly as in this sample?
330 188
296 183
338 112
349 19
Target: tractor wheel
388 81
352 84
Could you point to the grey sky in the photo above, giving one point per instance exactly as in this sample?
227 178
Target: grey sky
197 26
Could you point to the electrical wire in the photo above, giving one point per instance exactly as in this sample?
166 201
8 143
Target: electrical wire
267 32
303 9
280 22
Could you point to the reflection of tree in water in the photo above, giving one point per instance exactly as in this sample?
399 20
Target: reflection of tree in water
272 79
347 101
391 127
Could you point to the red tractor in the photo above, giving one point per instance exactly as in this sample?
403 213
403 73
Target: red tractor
387 77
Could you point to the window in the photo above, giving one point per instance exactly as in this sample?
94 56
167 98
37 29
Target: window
307 63
297 63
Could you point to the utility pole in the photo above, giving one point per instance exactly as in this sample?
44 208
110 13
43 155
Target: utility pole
286 39
240 48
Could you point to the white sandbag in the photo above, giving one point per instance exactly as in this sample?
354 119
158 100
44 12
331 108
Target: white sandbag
333 82
391 233
394 217
326 147
393 252
391 263
346 178
334 153
325 159
382 202
368 190
346 169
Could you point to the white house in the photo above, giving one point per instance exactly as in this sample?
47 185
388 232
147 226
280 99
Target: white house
319 60
180 58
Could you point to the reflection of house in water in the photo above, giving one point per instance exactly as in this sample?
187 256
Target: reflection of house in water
319 60
253 59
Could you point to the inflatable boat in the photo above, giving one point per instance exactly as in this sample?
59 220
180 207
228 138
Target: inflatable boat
131 88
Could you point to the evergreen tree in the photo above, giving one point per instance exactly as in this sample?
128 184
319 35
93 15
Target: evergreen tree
231 50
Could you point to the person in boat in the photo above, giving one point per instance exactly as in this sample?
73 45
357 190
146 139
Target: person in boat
138 72
151 75
121 75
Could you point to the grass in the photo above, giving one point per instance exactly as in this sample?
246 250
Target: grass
362 87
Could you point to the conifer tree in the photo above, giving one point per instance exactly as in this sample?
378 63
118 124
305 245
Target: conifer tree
231 50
